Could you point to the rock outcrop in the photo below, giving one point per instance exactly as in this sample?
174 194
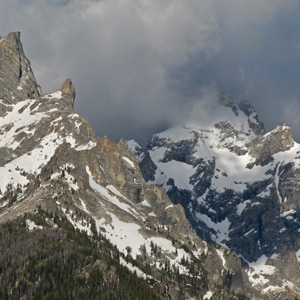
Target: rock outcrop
68 89
16 76
278 140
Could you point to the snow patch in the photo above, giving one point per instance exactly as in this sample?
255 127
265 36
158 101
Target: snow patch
89 146
134 269
221 255
298 255
32 226
82 225
133 145
57 94
83 206
208 295
221 228
242 206
145 203
129 162
123 234
287 213
105 193
259 272
179 171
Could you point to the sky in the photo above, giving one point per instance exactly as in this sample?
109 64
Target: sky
141 66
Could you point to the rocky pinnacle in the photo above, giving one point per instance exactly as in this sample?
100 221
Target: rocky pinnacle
69 90
16 76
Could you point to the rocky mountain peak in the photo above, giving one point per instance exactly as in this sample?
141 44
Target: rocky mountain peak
17 79
246 109
254 123
280 139
239 188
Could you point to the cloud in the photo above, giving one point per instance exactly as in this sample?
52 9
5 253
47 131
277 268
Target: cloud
139 65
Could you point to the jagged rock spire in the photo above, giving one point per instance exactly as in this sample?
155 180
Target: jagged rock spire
17 79
68 88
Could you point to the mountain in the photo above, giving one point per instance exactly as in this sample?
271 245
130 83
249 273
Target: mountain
239 187
77 219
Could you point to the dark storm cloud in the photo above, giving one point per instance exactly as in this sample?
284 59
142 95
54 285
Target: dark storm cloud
140 65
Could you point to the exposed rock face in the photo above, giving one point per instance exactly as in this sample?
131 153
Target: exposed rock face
52 159
239 187
69 89
248 110
263 147
17 79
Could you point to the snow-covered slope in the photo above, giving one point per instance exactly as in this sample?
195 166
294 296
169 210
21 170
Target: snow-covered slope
239 187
